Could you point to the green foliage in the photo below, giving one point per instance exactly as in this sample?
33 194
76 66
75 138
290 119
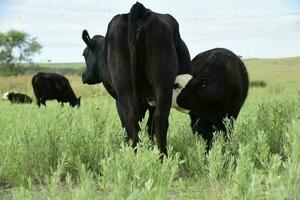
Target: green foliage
241 179
217 160
34 68
140 175
192 155
17 47
65 153
277 116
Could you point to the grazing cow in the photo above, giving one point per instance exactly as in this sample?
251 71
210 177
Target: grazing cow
217 90
16 97
138 61
47 86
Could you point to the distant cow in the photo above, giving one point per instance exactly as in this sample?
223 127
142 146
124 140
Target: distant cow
48 86
138 61
17 97
217 90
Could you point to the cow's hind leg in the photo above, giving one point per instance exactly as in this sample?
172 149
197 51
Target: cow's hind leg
161 71
160 118
123 77
150 124
129 122
163 86
129 112
121 113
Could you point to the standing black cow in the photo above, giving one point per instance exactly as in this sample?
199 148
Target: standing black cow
138 61
47 86
217 90
17 97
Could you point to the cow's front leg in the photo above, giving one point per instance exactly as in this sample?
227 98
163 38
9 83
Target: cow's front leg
150 124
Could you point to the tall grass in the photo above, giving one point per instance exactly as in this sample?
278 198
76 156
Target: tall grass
69 153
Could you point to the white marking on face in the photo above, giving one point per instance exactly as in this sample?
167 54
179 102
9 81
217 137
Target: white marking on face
5 96
181 80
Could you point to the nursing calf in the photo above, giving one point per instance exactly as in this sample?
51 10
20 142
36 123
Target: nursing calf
217 90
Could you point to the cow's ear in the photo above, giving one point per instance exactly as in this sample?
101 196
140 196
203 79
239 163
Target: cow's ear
86 38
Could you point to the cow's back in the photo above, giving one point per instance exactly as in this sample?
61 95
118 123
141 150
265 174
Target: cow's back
183 55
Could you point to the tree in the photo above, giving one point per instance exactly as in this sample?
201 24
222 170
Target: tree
17 47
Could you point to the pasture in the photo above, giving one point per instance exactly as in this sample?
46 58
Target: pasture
70 153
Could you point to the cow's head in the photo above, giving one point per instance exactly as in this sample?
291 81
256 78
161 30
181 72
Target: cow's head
5 96
91 54
75 102
179 84
201 94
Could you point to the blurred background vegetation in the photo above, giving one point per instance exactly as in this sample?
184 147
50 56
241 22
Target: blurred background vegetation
17 49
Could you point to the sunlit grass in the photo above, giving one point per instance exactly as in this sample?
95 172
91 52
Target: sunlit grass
69 153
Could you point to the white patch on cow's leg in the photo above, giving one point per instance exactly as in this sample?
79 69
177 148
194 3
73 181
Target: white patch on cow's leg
5 96
180 81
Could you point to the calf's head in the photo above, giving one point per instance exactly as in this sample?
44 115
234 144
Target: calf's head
92 54
5 96
201 94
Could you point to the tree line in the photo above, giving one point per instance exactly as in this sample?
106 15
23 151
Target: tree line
17 47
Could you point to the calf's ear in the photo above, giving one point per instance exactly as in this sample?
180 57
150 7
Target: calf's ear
86 38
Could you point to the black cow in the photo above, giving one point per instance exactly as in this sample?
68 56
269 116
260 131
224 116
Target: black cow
17 97
47 86
217 90
138 61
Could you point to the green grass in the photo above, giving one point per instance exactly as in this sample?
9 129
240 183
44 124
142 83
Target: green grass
62 65
65 153
274 71
30 69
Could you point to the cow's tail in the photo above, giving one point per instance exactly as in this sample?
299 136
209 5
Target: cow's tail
137 12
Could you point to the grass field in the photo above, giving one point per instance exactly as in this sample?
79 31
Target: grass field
62 65
65 153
